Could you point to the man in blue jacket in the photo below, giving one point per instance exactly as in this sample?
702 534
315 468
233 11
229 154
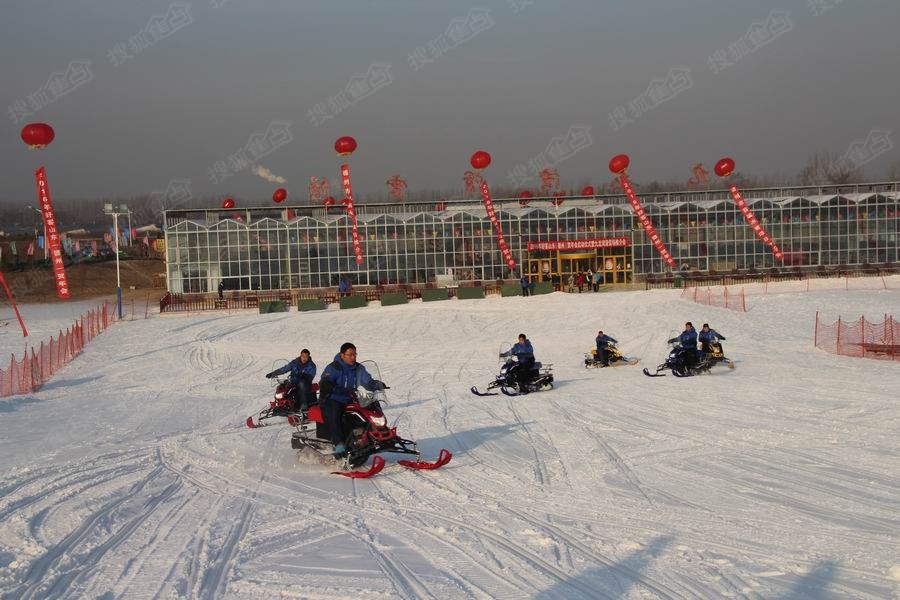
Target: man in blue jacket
602 341
688 341
302 370
526 289
706 336
337 389
523 351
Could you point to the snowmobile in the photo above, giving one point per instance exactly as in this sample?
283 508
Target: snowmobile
368 434
714 355
282 404
678 362
539 378
614 356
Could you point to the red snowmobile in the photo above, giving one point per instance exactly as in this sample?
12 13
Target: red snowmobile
368 434
282 405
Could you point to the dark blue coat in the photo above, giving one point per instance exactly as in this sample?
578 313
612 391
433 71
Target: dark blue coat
523 352
297 370
340 380
524 281
603 340
687 339
709 336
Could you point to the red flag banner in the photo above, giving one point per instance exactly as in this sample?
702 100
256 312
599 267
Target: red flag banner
644 220
501 242
617 242
13 302
348 194
59 269
753 222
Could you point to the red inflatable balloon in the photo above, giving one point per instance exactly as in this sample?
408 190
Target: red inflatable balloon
724 167
588 191
480 160
37 135
345 146
228 203
525 195
329 201
619 163
280 195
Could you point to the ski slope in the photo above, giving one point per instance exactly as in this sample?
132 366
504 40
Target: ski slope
131 473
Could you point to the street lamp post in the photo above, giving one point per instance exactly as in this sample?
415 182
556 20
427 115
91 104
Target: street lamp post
109 209
46 241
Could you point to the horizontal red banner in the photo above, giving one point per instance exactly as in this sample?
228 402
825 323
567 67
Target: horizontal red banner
617 242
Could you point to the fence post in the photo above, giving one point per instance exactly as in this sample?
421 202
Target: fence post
743 301
726 296
838 342
816 333
862 321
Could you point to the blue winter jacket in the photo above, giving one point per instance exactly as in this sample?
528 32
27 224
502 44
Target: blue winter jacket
687 339
709 336
523 352
340 380
524 281
297 370
603 340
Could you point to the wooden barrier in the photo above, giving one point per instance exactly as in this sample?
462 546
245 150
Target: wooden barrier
542 287
470 293
394 298
510 289
352 302
435 295
307 304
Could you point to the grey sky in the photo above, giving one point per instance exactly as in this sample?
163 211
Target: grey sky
195 97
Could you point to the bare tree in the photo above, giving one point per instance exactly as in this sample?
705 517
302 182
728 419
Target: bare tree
827 168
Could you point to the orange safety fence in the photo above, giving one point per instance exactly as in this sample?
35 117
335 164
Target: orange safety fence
860 338
31 372
722 299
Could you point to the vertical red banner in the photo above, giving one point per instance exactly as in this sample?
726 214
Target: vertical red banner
644 220
492 215
52 241
348 194
754 223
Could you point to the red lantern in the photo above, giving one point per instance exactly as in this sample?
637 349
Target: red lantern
524 197
588 191
480 160
37 135
329 201
724 167
619 163
280 195
228 203
345 146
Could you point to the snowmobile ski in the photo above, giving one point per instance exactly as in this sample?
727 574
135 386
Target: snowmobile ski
443 458
377 466
475 391
649 374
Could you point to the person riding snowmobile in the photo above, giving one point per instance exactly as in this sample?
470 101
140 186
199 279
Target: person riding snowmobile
337 389
524 355
602 352
688 341
708 336
302 370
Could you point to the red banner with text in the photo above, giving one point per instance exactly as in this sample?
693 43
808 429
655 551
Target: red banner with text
351 211
753 222
617 242
59 268
644 220
501 242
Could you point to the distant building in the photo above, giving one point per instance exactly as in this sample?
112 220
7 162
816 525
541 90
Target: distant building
413 243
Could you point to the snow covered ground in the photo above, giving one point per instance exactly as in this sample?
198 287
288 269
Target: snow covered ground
131 473
42 321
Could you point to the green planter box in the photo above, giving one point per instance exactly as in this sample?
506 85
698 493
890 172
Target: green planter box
542 287
510 289
435 295
470 293
272 306
311 304
352 302
394 298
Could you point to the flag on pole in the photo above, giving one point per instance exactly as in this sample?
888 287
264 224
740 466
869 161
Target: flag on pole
30 249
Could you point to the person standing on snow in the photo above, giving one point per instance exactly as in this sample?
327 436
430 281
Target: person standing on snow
302 370
526 290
